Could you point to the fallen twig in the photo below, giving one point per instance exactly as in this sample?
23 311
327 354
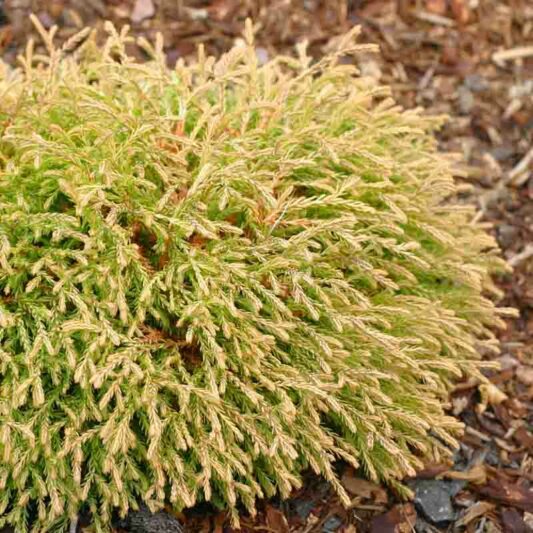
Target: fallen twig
526 253
512 53
519 174
433 18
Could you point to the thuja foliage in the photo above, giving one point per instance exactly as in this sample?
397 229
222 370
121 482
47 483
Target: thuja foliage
217 276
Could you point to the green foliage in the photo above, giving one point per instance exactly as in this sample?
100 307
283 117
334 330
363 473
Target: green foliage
218 276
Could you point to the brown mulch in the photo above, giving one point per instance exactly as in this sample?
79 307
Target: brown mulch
472 60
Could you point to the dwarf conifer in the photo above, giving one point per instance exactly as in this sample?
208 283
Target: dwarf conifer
216 276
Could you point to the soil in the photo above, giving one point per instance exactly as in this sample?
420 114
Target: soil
471 60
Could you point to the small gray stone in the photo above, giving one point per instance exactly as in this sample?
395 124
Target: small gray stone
433 500
303 508
143 521
421 526
331 524
507 235
503 152
476 83
456 486
493 459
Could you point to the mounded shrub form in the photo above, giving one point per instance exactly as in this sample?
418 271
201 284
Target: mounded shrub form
218 276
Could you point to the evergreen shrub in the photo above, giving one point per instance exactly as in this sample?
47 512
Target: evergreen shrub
217 276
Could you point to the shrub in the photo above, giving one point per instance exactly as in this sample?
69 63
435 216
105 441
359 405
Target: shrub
217 276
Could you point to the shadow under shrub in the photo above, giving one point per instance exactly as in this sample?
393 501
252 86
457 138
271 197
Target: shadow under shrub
218 276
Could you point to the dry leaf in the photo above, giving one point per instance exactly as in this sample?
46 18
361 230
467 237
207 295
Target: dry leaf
431 471
476 475
459 404
490 395
400 519
512 521
523 437
477 510
219 520
276 520
362 488
6 36
513 494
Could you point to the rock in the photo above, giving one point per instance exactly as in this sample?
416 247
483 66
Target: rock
456 486
433 500
144 521
503 152
492 458
422 526
476 83
331 524
143 9
506 237
303 508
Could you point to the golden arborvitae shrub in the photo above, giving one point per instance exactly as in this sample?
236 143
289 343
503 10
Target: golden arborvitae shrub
217 276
